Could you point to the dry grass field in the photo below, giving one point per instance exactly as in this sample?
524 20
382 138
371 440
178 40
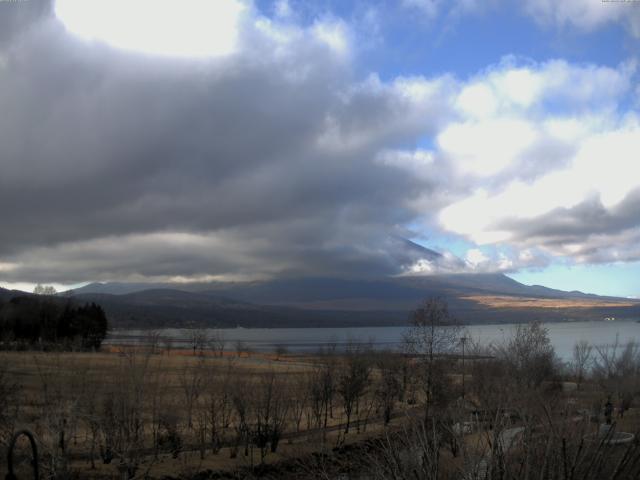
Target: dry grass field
508 302
176 413
172 414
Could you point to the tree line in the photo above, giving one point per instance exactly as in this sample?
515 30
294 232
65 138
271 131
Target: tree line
34 321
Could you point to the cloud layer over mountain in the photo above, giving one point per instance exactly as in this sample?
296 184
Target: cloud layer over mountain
279 159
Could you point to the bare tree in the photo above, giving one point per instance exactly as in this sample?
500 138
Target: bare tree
389 385
218 342
158 406
219 403
529 355
280 350
299 391
10 393
152 340
413 453
242 409
241 347
491 385
89 414
616 366
433 333
191 381
322 384
44 290
545 447
604 362
269 413
198 338
124 419
352 381
60 415
582 357
169 433
167 342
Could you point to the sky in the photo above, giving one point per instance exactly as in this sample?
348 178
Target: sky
232 140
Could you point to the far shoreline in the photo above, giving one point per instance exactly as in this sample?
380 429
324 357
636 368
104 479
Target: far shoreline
390 325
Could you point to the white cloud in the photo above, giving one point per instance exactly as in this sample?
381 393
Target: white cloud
283 9
477 100
605 165
447 262
475 258
586 15
516 144
534 140
484 148
8 267
521 86
513 88
192 28
334 34
28 287
478 260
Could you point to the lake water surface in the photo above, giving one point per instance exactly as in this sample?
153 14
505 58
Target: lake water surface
563 336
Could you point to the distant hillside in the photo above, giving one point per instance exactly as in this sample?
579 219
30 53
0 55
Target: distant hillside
495 283
174 308
330 302
394 291
8 294
118 288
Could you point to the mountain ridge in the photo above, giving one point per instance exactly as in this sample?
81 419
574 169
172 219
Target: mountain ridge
490 282
326 301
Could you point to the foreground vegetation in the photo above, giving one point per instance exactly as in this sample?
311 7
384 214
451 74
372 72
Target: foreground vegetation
48 323
444 408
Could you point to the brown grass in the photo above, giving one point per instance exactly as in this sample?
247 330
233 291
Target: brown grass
507 302
70 376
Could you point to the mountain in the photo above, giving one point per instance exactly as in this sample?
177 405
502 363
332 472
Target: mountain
116 288
5 294
387 294
175 308
390 291
312 302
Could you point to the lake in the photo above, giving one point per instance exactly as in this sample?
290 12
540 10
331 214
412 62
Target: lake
563 336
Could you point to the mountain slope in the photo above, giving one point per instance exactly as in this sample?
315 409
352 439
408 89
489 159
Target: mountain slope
5 294
307 302
323 289
173 308
116 288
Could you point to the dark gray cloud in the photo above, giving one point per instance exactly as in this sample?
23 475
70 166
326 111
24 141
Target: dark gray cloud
589 232
117 165
276 160
18 17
